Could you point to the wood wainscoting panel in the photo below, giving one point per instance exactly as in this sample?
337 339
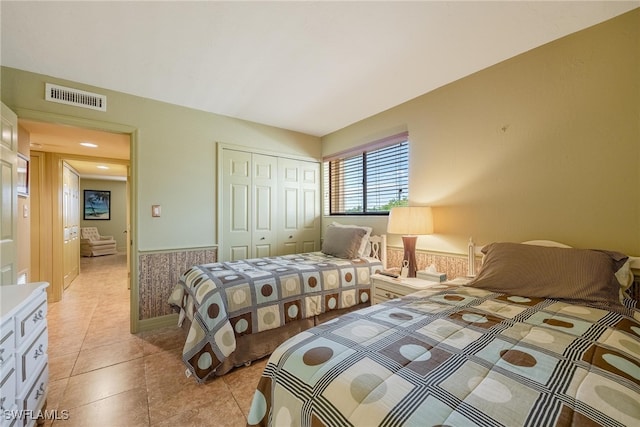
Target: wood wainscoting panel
451 264
160 272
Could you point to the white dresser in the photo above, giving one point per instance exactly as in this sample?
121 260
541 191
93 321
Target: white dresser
23 354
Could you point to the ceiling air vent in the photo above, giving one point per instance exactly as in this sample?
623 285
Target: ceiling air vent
79 98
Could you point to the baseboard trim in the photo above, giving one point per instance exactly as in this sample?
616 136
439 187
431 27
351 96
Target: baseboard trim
158 322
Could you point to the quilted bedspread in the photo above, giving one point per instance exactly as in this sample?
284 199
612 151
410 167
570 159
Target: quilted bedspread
458 356
230 299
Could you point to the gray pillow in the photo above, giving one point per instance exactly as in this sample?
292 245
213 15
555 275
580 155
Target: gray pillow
579 275
342 242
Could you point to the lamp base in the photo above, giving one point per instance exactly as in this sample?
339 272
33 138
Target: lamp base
409 243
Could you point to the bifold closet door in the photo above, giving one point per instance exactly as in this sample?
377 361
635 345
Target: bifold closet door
248 205
264 185
299 202
235 206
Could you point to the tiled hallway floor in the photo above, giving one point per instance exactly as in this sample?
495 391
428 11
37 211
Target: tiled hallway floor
102 375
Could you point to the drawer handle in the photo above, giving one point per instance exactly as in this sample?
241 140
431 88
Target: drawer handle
1 358
39 352
388 295
40 391
2 404
38 316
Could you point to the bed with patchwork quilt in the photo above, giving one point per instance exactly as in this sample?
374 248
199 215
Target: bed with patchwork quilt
239 311
563 350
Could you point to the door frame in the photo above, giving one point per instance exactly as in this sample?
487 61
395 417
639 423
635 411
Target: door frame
132 247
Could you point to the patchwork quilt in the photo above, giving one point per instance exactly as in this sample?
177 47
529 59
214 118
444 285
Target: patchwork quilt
230 299
458 356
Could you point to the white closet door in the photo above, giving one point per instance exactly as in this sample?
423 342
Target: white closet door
309 227
269 205
236 206
289 184
264 179
300 206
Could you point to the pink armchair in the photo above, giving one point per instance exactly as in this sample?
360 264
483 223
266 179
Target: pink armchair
93 244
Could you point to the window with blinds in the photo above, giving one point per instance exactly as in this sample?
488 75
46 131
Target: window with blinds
370 180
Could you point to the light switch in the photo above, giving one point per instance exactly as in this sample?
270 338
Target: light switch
25 211
155 210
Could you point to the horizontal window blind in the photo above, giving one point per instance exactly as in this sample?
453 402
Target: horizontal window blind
371 181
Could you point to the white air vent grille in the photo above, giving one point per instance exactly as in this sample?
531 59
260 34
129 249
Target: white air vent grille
79 98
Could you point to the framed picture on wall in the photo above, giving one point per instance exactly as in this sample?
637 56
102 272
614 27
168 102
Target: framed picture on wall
97 204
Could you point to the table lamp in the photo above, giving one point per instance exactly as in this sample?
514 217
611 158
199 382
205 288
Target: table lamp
410 221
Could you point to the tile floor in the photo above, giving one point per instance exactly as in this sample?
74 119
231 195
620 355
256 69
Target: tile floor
103 375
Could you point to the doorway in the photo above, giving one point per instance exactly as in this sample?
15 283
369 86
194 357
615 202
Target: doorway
101 154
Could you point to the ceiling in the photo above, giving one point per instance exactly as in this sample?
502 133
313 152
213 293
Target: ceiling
309 66
111 150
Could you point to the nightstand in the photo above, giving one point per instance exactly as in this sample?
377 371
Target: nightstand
384 288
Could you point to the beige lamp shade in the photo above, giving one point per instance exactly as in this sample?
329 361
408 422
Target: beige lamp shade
410 220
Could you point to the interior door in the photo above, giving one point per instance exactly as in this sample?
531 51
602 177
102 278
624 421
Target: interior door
300 203
309 230
8 197
236 206
264 185
128 239
71 223
289 184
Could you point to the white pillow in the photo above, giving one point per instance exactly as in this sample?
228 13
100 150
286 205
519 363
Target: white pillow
625 278
365 239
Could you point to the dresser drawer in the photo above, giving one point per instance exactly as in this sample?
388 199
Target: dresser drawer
11 420
35 395
31 356
7 340
7 387
31 318
386 288
384 293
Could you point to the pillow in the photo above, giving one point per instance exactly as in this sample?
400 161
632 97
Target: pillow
625 277
624 274
581 275
343 242
362 250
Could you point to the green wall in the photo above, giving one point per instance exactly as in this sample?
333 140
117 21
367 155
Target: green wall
118 223
545 145
174 163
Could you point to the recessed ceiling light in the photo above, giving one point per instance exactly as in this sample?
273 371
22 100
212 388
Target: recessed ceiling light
102 167
89 144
